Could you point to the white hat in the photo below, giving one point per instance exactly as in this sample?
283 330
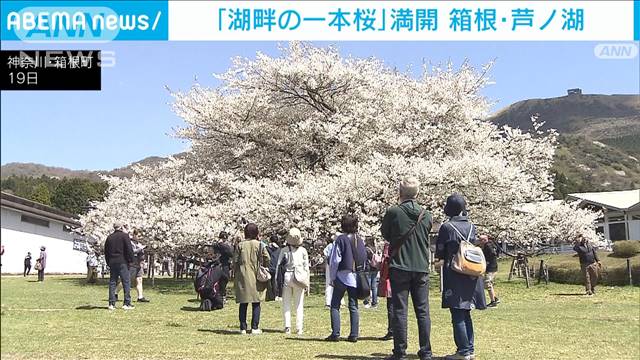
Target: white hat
294 237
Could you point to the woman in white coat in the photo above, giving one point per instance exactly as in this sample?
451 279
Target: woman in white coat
294 262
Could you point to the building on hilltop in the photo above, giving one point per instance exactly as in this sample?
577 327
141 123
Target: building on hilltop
576 91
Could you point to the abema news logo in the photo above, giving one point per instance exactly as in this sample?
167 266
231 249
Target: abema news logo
93 21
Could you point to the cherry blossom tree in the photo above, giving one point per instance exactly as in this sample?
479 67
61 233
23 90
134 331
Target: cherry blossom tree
304 137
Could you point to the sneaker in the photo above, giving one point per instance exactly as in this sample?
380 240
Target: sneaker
491 304
332 338
256 332
287 331
387 336
143 300
352 339
243 332
112 307
300 332
496 301
457 356
128 307
367 306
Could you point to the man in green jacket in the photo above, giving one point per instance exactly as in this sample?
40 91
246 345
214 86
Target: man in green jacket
406 227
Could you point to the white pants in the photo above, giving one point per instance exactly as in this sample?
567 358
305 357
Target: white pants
291 291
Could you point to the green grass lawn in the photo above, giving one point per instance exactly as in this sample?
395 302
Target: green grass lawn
63 318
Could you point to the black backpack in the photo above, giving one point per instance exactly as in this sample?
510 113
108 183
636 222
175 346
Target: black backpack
205 283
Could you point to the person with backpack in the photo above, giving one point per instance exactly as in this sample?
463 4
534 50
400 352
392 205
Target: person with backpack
461 292
373 265
27 264
249 259
296 279
406 227
347 257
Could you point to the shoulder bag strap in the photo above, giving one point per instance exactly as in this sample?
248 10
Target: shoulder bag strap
459 233
405 237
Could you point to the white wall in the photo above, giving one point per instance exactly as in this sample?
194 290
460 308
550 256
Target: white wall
19 237
634 226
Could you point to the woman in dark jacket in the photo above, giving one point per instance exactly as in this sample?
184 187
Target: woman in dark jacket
460 293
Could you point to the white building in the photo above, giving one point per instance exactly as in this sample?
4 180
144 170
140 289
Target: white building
621 210
27 225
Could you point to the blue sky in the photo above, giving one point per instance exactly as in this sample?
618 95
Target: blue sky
131 118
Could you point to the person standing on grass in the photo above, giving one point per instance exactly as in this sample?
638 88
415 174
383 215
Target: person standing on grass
589 264
43 263
406 227
373 264
384 289
460 293
273 249
249 254
491 257
328 289
27 264
118 254
296 279
92 267
137 270
348 251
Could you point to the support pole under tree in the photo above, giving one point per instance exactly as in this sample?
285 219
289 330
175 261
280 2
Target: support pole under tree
513 264
153 269
526 271
629 272
541 271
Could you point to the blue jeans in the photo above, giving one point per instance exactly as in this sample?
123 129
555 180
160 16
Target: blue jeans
119 271
373 281
255 315
339 288
462 330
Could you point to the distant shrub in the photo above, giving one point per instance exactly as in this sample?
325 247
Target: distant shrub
626 248
610 276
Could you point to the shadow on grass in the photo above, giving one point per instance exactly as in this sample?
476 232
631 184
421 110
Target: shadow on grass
162 285
221 331
364 338
569 294
236 332
375 356
189 308
193 300
91 307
